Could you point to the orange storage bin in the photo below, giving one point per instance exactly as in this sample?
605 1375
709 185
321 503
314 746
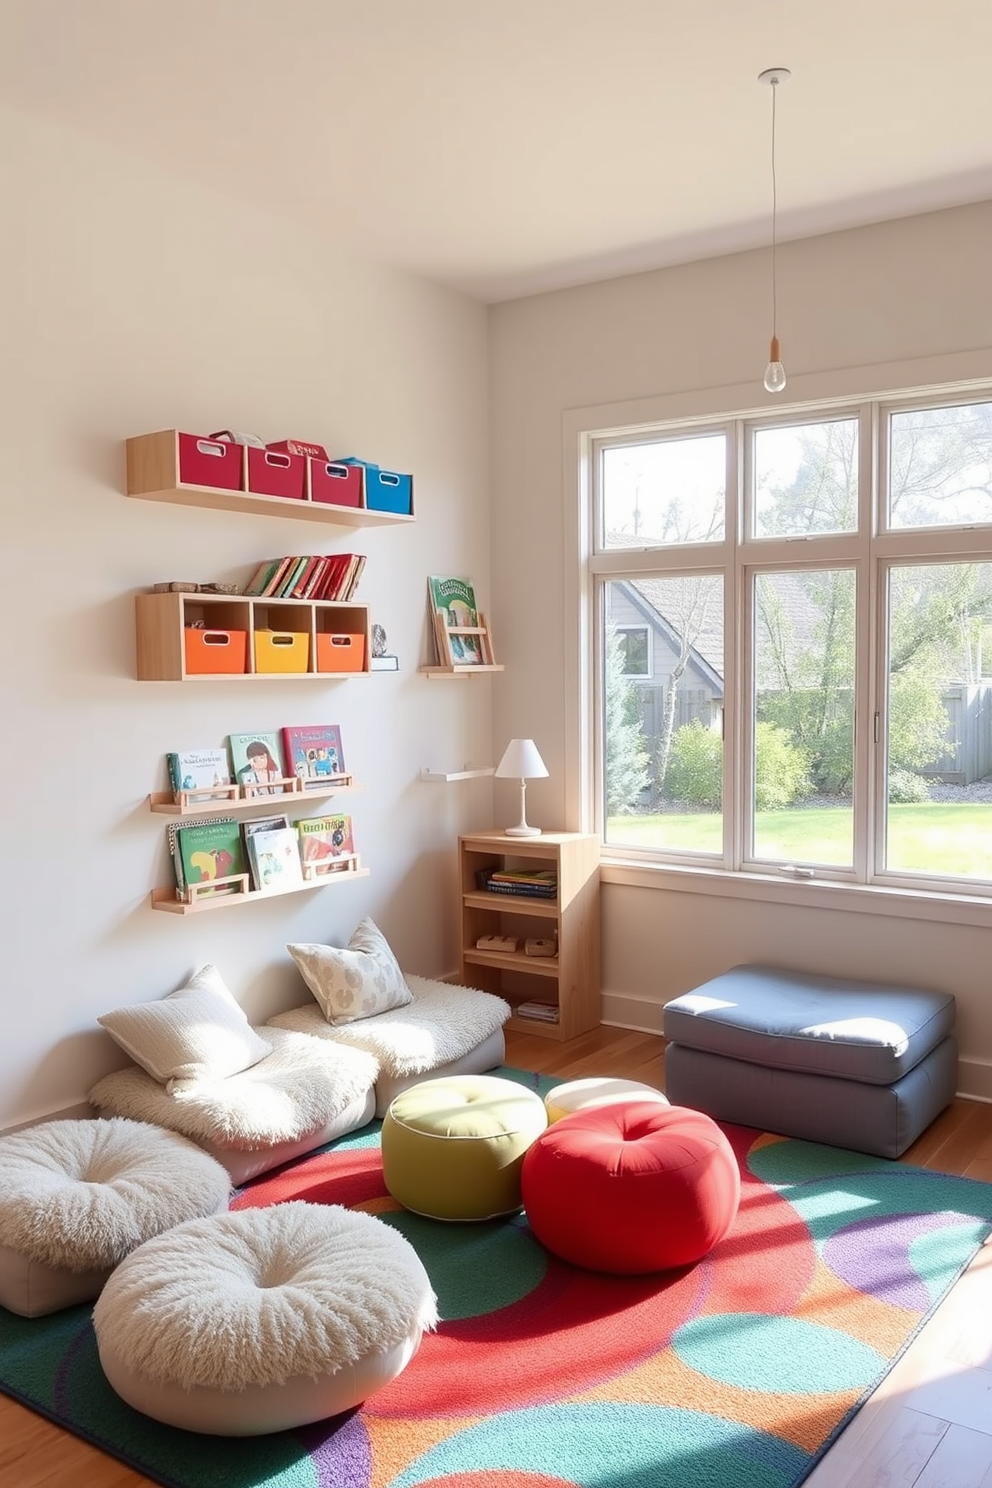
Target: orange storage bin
282 651
215 650
340 653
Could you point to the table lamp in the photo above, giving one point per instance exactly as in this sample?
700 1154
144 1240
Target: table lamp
521 761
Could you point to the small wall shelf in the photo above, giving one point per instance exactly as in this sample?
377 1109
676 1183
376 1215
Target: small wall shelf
153 474
466 774
165 899
448 665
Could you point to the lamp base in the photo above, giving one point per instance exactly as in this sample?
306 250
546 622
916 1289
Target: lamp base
522 831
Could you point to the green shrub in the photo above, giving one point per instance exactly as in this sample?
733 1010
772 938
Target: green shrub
695 766
907 788
782 772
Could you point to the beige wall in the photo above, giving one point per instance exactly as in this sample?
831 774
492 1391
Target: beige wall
132 302
903 303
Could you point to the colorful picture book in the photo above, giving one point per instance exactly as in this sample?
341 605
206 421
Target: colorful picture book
313 753
198 769
323 838
257 758
453 600
206 851
275 858
248 830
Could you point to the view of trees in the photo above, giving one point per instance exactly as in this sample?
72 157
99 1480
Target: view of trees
938 617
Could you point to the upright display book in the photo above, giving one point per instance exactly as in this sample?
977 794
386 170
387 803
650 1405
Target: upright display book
454 601
248 830
275 858
323 838
210 850
198 769
257 758
313 753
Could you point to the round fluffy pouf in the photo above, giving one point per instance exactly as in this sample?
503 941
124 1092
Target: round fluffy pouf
596 1090
452 1148
263 1319
77 1196
631 1187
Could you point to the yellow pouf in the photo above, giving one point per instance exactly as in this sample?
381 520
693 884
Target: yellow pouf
582 1095
453 1148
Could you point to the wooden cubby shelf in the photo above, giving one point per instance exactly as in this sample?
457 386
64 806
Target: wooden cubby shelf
163 620
153 475
165 899
570 981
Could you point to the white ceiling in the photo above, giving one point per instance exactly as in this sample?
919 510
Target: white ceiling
509 146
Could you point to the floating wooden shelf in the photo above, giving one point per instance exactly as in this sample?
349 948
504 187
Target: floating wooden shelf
153 475
165 899
448 665
164 803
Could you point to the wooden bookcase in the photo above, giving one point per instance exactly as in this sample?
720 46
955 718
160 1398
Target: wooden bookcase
570 980
161 621
153 475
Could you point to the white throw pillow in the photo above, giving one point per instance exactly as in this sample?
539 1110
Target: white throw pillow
196 1033
358 981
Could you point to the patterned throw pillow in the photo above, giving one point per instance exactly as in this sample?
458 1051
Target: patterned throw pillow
357 982
199 1032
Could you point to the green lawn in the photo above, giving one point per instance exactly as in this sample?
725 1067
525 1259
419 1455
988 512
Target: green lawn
938 837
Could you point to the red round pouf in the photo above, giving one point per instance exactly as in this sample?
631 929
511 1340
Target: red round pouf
631 1187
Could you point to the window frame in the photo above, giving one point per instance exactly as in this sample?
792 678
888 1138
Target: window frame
871 552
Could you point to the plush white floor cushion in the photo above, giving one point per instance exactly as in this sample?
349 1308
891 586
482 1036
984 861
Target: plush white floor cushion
76 1197
299 1096
445 1029
299 1312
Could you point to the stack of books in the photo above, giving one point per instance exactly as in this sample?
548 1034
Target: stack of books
542 1012
539 883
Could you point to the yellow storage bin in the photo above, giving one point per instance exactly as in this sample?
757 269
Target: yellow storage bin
282 651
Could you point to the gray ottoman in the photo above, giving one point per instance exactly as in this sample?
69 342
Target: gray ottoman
829 1059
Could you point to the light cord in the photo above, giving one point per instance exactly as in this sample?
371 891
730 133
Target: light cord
774 82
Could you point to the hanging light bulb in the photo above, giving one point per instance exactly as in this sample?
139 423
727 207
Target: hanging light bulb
775 371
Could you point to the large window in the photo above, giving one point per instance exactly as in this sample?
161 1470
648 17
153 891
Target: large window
794 643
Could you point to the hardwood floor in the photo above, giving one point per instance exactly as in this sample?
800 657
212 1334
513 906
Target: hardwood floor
928 1425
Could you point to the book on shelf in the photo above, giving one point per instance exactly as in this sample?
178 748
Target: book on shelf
198 769
305 577
530 890
453 600
313 753
535 876
256 759
540 1012
275 858
250 828
323 838
263 576
208 850
274 583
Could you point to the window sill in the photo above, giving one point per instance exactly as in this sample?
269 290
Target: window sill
872 899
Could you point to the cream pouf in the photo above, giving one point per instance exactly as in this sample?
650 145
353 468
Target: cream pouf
452 1148
263 1319
596 1090
76 1197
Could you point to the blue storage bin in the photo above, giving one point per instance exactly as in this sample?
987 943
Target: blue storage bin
385 490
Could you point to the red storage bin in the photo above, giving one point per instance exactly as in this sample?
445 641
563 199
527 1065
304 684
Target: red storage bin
215 650
340 653
338 485
272 473
211 462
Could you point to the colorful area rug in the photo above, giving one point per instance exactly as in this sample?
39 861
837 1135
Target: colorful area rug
739 1370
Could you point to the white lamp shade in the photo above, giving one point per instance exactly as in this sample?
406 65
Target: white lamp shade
521 761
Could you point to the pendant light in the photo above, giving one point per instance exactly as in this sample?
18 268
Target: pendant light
774 372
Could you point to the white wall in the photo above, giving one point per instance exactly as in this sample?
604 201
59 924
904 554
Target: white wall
898 304
133 302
